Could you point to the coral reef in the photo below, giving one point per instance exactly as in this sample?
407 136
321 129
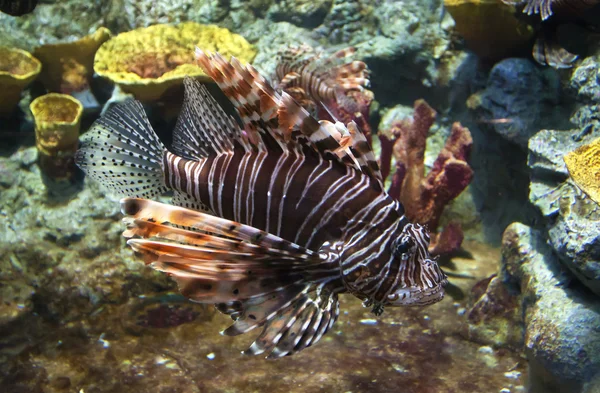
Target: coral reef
562 342
348 22
52 22
18 68
68 66
83 319
584 168
147 61
126 15
571 217
57 121
481 22
425 196
305 13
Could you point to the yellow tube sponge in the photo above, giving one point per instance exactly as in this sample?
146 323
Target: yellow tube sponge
583 164
68 66
57 121
491 28
18 68
147 61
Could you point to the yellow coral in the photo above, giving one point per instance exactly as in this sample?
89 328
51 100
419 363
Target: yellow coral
147 61
18 68
491 28
584 167
57 122
68 66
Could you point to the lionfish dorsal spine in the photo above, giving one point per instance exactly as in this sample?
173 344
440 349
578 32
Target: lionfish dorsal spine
203 128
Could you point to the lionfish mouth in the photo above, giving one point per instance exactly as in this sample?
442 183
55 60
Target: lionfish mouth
417 296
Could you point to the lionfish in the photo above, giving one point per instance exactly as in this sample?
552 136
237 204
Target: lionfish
17 7
270 221
547 50
313 77
310 76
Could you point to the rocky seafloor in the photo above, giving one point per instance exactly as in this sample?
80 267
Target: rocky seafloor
79 313
522 312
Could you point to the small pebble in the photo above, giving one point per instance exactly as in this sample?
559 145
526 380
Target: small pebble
210 356
368 321
60 383
485 349
513 374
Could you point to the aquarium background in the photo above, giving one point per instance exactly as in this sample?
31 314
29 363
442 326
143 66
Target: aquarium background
79 313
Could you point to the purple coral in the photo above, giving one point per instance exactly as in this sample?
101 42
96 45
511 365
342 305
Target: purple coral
425 196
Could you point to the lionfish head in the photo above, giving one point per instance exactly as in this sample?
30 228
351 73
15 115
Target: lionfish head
421 281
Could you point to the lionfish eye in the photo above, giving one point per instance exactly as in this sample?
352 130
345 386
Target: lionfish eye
401 247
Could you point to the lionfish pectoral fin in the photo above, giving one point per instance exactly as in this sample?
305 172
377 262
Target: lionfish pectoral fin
297 325
257 278
547 51
288 79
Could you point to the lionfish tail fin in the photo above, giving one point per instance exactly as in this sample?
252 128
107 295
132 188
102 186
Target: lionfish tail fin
259 279
123 153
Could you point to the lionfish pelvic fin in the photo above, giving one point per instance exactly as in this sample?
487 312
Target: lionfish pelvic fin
255 277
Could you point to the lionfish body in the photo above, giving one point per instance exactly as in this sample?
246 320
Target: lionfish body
270 222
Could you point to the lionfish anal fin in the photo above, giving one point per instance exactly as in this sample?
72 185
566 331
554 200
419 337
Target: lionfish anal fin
259 279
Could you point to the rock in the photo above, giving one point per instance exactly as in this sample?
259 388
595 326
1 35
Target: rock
548 169
348 22
562 340
575 236
68 254
304 13
585 80
494 315
269 37
571 217
519 99
585 84
51 22
123 15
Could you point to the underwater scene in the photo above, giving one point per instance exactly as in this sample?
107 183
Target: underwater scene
300 196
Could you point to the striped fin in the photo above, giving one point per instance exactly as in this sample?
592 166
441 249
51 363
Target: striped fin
122 152
299 325
262 109
547 51
546 8
360 150
162 213
203 128
322 77
258 280
253 97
